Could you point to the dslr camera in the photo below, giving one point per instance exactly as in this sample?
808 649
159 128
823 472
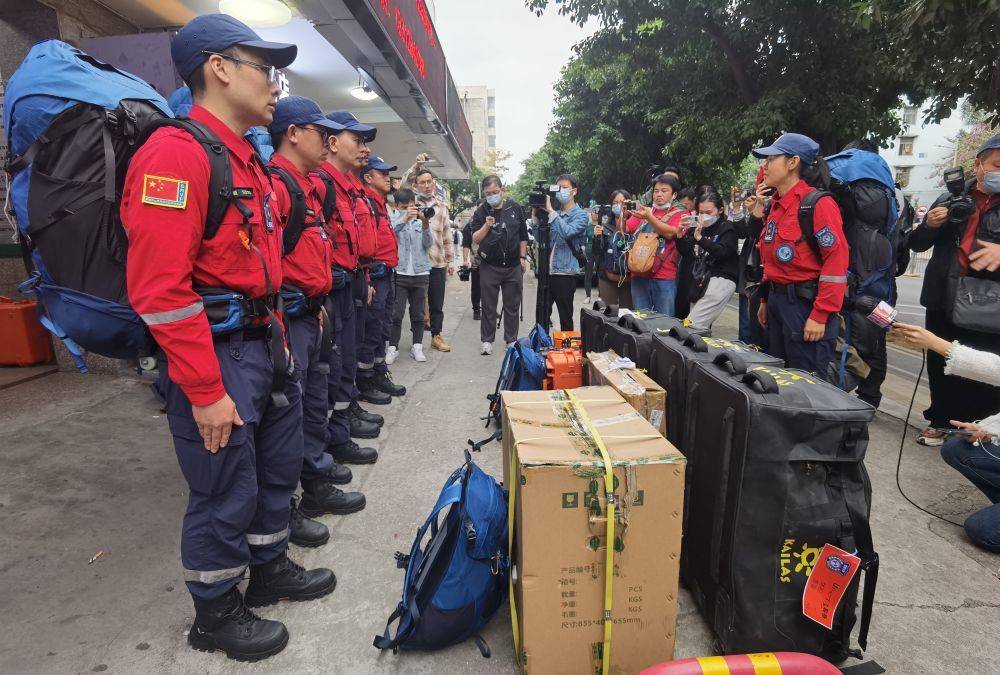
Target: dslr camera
542 189
959 204
604 213
428 212
464 272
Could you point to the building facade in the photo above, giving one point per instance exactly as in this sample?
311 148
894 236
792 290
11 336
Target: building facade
919 152
479 105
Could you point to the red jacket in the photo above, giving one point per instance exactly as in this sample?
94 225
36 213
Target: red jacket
367 225
163 208
342 228
387 249
307 267
788 259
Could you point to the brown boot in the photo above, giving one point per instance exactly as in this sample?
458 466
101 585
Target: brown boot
439 344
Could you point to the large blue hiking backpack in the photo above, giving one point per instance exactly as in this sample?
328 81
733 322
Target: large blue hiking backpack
456 578
73 124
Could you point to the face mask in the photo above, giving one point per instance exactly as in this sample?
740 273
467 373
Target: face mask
707 220
565 195
991 182
616 209
494 200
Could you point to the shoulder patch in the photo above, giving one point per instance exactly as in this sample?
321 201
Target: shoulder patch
160 191
826 238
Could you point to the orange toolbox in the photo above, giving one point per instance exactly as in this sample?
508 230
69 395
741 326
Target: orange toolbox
567 339
23 340
564 369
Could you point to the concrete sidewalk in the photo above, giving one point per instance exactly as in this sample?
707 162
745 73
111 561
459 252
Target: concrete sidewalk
87 466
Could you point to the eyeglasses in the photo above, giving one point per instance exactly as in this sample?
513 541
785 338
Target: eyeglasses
270 71
323 133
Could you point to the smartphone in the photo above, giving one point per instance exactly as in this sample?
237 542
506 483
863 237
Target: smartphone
953 432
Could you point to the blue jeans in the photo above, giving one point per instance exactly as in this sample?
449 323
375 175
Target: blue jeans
981 465
654 294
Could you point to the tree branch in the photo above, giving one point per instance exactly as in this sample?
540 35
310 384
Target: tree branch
747 92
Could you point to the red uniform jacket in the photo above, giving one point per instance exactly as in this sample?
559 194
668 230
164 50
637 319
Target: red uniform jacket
387 249
307 267
163 208
788 259
367 225
342 227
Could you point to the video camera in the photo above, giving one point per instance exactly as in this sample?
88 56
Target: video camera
960 205
543 189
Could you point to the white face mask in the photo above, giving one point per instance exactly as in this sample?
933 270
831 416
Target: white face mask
707 220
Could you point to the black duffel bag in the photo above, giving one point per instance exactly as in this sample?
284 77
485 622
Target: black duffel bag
593 325
671 365
777 461
632 335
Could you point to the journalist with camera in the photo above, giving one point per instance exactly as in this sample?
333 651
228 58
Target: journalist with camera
611 244
961 288
567 224
500 238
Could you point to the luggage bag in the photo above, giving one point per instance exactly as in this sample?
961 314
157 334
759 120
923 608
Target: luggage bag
632 335
777 458
593 324
672 362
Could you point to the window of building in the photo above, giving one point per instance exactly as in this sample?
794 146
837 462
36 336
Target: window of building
909 116
491 102
906 146
902 175
493 122
493 141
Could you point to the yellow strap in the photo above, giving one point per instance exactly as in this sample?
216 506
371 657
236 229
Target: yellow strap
713 665
609 558
765 663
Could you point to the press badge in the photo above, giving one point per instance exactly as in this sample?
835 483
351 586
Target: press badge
772 227
268 222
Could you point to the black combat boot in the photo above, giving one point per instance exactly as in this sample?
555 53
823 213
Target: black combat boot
384 383
340 474
305 531
225 624
321 496
283 579
357 411
361 429
350 453
369 393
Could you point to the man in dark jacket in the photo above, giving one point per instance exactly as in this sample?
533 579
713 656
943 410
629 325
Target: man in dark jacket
970 248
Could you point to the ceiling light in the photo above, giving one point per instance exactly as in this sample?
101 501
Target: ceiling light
257 13
363 92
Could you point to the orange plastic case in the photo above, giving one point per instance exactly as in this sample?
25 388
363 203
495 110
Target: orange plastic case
564 369
23 340
567 339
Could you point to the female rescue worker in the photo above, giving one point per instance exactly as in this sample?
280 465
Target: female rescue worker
804 281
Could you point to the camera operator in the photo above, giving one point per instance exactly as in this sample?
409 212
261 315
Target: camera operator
500 232
966 242
568 227
611 243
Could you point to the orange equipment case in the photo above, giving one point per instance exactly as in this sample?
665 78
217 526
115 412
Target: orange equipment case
564 362
23 340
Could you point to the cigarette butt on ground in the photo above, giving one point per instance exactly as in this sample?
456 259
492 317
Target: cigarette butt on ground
96 556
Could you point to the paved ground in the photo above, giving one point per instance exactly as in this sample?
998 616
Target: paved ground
87 466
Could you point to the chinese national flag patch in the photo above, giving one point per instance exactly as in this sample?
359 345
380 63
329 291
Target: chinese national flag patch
160 191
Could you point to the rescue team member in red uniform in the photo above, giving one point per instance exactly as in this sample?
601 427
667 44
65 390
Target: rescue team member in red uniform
804 291
379 319
346 154
298 133
239 450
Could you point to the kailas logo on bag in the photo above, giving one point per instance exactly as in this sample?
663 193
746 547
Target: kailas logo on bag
797 559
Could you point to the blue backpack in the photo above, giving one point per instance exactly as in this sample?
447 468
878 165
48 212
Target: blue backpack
456 580
73 124
522 368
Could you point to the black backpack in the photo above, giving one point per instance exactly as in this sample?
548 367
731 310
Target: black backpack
297 217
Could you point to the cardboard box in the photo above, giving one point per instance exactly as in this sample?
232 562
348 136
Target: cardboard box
557 482
641 392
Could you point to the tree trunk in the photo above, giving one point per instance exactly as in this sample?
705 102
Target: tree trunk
747 92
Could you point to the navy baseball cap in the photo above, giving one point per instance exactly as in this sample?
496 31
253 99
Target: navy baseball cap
797 145
378 164
299 110
351 123
215 32
991 144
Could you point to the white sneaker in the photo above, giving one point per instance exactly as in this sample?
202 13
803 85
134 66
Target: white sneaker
391 354
417 352
486 349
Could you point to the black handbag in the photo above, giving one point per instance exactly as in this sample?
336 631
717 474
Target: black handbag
776 458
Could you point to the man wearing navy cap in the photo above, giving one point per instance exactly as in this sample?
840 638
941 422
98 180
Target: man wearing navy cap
299 132
961 249
232 410
379 319
805 281
340 188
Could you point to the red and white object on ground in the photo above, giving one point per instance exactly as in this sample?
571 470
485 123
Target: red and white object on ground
767 663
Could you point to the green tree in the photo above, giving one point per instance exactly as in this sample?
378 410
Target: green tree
701 82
